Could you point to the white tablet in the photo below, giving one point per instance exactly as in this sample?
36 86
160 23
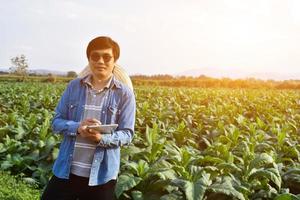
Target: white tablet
104 128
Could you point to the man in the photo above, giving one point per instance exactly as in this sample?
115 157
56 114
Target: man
88 162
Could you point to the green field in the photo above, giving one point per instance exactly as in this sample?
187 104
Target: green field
188 144
15 188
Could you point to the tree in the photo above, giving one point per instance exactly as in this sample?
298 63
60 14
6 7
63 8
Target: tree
19 66
51 78
71 74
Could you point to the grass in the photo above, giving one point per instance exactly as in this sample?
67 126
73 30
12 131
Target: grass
17 188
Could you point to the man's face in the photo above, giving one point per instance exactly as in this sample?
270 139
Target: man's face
102 63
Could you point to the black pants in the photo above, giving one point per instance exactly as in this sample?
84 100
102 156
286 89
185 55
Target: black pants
76 188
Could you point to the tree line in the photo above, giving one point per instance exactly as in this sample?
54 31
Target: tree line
20 68
203 81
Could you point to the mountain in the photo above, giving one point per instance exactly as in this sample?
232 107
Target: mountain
4 69
38 71
46 72
238 74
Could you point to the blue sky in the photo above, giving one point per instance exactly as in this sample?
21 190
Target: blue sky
156 37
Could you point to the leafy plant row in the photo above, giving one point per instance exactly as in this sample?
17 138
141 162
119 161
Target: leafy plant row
188 144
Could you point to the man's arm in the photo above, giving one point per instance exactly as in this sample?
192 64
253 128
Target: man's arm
60 124
125 131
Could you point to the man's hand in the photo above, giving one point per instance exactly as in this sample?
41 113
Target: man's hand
87 133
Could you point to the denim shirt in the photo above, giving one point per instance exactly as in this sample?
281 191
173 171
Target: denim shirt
119 108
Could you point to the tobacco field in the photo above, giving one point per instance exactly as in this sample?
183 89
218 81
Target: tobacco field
189 143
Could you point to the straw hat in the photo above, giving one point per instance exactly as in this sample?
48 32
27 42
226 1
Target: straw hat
118 72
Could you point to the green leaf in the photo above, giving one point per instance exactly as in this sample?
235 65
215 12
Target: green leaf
260 160
281 135
228 189
130 150
20 133
55 153
268 174
34 155
170 197
2 148
152 134
193 190
29 180
292 171
167 174
240 119
125 183
231 167
142 168
137 195
260 123
6 165
287 197
210 160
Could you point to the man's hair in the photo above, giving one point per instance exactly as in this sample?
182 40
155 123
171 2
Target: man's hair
103 42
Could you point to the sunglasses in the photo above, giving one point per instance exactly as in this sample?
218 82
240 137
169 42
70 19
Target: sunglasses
96 56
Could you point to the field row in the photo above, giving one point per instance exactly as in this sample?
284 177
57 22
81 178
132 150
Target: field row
188 144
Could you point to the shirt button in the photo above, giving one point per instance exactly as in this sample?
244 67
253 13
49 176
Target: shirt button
94 95
103 111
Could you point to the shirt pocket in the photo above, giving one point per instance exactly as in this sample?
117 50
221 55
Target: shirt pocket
112 114
72 110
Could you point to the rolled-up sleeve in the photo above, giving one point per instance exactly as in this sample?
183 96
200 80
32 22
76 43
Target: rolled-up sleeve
125 131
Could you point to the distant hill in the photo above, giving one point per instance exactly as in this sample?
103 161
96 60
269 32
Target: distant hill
39 71
46 72
4 69
237 74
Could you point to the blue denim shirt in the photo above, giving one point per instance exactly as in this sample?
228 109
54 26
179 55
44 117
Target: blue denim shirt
118 108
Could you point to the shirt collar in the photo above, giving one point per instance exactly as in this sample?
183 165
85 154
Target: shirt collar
111 83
